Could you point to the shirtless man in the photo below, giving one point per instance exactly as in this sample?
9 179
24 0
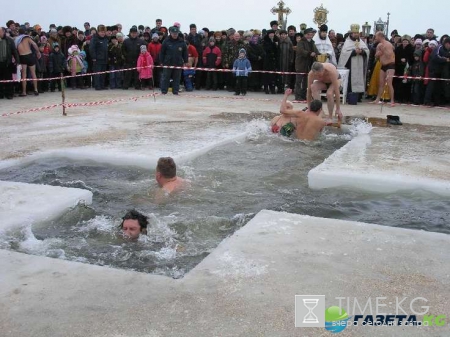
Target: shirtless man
324 76
24 44
166 176
385 52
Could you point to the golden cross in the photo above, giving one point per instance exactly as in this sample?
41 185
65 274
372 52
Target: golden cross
280 10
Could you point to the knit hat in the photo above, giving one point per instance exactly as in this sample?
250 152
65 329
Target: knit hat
242 50
211 39
426 41
201 32
73 49
55 44
418 52
177 24
155 36
434 42
143 48
119 35
418 41
248 34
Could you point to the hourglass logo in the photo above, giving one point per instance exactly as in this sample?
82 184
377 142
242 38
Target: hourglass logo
310 311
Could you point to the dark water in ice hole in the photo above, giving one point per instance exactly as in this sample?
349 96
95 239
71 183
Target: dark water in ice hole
230 184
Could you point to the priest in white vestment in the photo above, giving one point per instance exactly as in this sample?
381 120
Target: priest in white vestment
324 45
355 57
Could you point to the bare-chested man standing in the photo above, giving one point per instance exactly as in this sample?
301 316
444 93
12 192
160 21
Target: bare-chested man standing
24 43
324 76
385 53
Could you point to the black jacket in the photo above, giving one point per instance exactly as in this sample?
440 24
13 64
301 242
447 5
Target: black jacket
131 49
98 49
57 63
11 51
173 52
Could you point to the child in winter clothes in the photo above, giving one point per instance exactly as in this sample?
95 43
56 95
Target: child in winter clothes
212 58
41 68
145 68
83 58
417 70
56 66
241 69
75 66
189 75
115 62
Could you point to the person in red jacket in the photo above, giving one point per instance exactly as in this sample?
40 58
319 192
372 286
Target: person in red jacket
212 58
154 47
145 68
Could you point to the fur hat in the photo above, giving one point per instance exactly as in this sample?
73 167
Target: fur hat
270 31
283 32
67 29
143 48
434 42
53 31
219 33
291 27
256 32
101 28
154 35
201 32
406 37
73 49
248 34
274 22
323 28
119 35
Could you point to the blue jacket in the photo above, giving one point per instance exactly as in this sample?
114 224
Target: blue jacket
242 67
98 49
173 52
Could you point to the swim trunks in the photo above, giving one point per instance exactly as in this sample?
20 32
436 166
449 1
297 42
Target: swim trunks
387 67
287 130
27 60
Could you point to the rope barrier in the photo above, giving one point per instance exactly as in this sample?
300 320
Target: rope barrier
199 69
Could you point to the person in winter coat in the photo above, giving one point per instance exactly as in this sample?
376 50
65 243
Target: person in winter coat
255 54
56 66
404 58
75 66
271 61
154 47
145 68
286 57
212 58
417 70
99 54
439 67
7 66
305 55
115 62
131 50
173 53
241 69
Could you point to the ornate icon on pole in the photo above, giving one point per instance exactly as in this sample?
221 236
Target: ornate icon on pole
320 15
